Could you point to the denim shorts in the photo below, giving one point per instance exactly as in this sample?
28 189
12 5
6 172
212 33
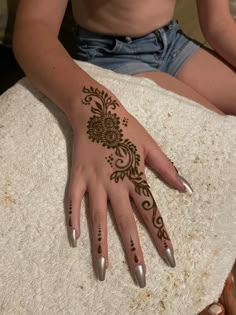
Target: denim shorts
165 49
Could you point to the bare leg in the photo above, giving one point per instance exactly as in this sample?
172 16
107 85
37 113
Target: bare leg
212 79
228 299
175 85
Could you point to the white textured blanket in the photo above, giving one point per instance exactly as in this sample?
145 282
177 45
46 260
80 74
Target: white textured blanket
41 274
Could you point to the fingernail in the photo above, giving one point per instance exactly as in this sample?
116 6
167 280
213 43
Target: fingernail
232 279
73 238
101 268
169 258
186 184
140 276
215 309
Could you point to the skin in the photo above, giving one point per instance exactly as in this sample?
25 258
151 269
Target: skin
56 75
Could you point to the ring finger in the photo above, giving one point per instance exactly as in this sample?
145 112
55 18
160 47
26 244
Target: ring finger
125 221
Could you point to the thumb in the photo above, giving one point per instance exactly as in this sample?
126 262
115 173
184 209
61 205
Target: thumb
228 294
214 309
158 161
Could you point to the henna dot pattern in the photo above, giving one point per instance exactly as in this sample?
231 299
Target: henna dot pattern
70 213
133 249
104 128
110 160
125 122
99 239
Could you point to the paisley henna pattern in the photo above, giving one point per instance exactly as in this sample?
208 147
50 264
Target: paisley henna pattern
104 128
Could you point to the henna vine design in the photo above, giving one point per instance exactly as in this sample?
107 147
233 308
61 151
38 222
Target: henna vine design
99 239
70 213
104 128
133 249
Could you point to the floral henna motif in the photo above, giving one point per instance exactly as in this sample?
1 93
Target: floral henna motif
104 127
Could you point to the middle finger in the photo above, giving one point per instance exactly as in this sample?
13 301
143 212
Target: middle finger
125 221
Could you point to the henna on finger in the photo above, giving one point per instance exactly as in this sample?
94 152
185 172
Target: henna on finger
184 182
69 214
72 231
133 249
104 128
139 272
99 239
101 261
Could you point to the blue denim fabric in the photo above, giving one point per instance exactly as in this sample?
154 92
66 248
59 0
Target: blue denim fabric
165 49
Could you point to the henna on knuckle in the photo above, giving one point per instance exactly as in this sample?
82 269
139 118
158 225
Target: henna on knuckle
104 128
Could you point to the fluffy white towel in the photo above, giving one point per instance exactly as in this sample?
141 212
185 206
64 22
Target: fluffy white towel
41 274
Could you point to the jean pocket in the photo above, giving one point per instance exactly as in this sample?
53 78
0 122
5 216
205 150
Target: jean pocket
98 47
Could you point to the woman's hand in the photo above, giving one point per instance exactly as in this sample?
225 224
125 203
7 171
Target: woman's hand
109 152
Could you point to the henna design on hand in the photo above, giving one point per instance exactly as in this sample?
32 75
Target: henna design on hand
133 249
70 213
99 239
104 128
125 122
174 166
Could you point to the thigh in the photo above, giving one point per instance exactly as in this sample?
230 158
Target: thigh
212 79
175 85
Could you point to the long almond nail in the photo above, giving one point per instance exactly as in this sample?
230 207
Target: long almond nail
140 276
101 268
215 309
186 184
169 258
73 238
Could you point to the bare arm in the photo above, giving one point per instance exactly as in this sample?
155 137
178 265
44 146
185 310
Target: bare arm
219 27
96 116
42 56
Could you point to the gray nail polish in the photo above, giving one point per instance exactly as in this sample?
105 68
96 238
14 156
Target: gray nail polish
73 238
140 276
186 184
101 268
169 258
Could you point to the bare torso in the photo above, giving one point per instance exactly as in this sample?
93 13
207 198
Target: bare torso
121 17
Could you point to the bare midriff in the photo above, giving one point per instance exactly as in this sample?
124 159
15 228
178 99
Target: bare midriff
132 18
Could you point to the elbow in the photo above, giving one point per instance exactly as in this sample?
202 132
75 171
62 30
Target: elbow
16 44
215 29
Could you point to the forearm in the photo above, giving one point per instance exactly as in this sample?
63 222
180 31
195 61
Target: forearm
221 39
218 27
49 66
